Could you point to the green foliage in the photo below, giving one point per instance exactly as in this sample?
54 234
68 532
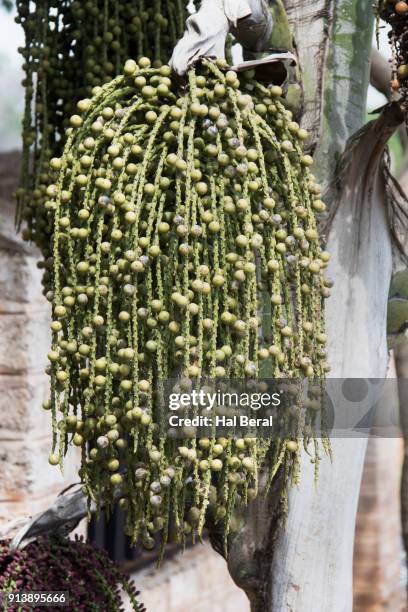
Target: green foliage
282 37
397 314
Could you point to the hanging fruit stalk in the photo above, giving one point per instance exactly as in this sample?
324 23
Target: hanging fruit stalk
174 215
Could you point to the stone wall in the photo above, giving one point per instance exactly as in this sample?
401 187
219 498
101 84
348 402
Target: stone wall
28 484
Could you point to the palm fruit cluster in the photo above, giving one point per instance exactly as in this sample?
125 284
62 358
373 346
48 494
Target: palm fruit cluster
395 12
185 245
57 565
70 47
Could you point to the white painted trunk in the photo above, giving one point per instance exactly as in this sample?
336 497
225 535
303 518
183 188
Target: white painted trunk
306 564
313 560
313 555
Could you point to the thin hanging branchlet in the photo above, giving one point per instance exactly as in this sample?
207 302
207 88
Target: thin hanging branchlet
184 246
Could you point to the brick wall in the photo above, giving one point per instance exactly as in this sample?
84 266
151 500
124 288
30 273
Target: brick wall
378 548
27 483
378 544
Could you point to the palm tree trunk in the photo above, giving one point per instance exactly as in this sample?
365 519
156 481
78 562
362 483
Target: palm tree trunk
306 563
